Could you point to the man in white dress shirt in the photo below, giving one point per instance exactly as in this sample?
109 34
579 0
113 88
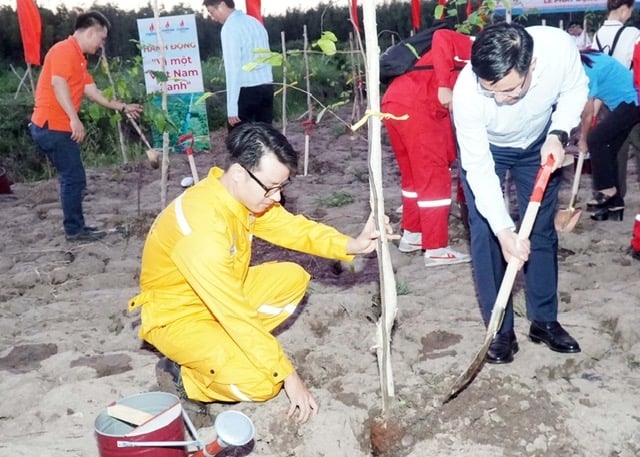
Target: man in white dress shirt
512 107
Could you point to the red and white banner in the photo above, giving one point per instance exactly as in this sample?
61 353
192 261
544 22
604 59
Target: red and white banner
30 30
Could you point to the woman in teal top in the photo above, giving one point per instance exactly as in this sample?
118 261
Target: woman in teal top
610 84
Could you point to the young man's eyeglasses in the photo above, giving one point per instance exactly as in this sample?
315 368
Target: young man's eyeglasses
516 92
268 191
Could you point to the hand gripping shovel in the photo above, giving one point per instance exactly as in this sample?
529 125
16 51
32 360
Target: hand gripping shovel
566 219
507 282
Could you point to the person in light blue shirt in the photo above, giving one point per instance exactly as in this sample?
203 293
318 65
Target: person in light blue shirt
249 93
611 85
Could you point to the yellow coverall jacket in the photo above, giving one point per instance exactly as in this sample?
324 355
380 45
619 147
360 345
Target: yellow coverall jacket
206 309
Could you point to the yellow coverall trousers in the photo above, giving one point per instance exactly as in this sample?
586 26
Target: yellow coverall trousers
214 368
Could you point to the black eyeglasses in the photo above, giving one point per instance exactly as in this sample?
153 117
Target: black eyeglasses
513 93
268 191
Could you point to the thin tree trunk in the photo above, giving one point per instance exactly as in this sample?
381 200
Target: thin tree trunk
387 280
107 70
307 139
284 83
163 86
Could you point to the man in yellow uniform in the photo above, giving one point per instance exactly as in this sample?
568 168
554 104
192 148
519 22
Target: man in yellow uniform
204 307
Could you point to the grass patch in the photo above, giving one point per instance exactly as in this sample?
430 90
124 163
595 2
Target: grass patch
336 200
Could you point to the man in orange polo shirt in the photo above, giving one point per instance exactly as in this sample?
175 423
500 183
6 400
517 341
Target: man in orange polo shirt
55 125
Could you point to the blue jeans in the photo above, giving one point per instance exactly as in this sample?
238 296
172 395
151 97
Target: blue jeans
489 266
64 155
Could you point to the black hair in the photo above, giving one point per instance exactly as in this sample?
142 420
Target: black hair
585 56
615 4
215 3
91 19
249 141
499 48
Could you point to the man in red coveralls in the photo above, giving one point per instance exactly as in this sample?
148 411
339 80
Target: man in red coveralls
424 146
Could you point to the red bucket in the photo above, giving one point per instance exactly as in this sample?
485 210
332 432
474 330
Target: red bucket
164 432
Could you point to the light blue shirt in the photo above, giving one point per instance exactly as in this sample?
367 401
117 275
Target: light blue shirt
241 34
557 79
610 81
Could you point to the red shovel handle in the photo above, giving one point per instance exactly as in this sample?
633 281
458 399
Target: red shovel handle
187 137
541 180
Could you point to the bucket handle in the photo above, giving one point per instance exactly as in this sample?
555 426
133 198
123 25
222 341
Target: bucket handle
197 442
157 443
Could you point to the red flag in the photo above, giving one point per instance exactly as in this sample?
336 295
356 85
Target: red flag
30 30
354 14
415 14
253 9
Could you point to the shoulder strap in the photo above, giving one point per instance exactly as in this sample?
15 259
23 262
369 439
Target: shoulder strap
600 47
615 39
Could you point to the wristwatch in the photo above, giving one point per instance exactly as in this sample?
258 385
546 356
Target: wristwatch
562 136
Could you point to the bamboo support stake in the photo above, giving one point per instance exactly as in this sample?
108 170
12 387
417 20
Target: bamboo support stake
309 105
284 82
163 86
105 65
355 112
387 280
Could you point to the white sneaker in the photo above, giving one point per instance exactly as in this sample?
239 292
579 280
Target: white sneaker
410 241
444 256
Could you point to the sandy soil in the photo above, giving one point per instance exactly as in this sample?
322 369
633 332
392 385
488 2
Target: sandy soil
68 346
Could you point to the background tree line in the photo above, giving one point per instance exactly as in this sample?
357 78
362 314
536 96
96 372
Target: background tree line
393 18
331 79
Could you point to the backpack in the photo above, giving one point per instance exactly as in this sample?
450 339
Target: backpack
402 57
609 49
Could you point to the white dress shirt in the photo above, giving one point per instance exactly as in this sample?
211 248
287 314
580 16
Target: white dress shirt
241 36
557 79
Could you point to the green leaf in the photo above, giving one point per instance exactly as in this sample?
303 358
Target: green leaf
327 35
250 66
437 12
159 76
328 47
203 97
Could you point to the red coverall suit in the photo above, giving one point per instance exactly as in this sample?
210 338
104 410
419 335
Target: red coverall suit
424 144
635 240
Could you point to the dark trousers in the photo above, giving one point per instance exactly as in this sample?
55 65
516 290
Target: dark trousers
606 139
489 266
255 104
64 155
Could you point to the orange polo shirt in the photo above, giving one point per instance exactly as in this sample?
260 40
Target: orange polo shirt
66 60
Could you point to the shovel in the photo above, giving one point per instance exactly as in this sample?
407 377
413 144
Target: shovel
186 141
566 219
152 154
507 282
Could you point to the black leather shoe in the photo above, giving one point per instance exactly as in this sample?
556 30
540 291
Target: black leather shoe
87 234
502 348
603 201
553 335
